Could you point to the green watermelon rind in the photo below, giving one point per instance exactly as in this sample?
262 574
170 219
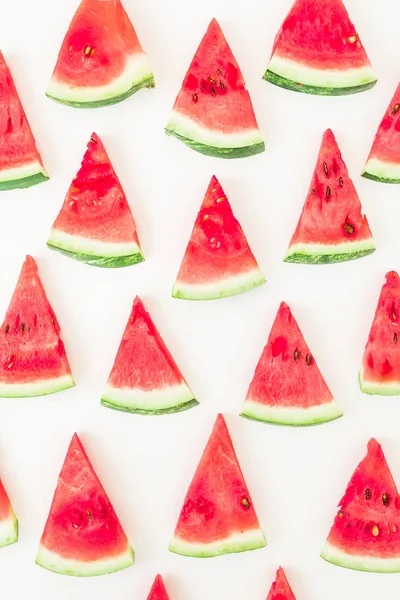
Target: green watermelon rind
22 177
155 402
76 568
238 542
382 171
222 288
315 254
340 558
8 530
374 388
40 387
291 416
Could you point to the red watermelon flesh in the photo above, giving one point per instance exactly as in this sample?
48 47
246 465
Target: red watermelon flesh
380 370
384 159
95 224
280 589
158 591
287 387
218 261
366 532
33 360
8 521
83 535
20 162
145 378
331 227
218 515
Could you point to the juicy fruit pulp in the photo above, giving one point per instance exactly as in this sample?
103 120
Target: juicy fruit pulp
287 387
8 521
33 361
20 162
213 113
95 224
158 591
145 378
380 369
366 532
83 535
101 60
218 261
280 589
217 516
383 163
318 51
331 227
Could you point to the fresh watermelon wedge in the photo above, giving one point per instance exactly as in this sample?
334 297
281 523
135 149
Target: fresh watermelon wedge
218 515
158 591
20 163
33 361
95 224
213 113
101 60
365 535
280 589
218 261
331 227
83 536
318 51
8 520
145 378
287 387
383 163
380 369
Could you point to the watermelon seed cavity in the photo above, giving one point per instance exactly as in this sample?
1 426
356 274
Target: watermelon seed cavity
395 337
341 181
296 355
309 359
328 191
375 531
396 109
385 499
326 169
246 502
367 493
7 328
349 228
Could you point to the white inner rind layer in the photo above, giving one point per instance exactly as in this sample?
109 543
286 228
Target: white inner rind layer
152 400
374 564
36 388
375 388
28 170
382 169
344 248
291 415
137 69
237 542
188 128
8 530
82 245
220 288
78 568
329 78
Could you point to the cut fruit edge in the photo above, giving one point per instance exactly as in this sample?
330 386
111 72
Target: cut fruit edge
375 388
237 542
379 170
8 530
326 253
295 416
137 74
373 564
41 387
231 286
77 568
24 176
167 400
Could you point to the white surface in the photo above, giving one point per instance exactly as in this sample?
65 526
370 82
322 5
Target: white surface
296 477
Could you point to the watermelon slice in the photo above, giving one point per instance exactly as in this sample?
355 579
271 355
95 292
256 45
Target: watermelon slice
380 369
213 113
158 591
145 378
8 520
33 361
95 224
365 535
331 227
83 536
101 60
287 387
280 589
318 51
218 515
20 163
218 261
383 163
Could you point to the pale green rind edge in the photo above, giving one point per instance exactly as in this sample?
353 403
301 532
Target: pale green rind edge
39 392
109 262
217 151
90 569
358 563
11 539
109 403
377 389
178 547
331 416
289 84
373 177
323 259
224 293
24 182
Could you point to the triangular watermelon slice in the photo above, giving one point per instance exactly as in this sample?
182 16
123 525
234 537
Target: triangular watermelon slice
383 163
280 589
380 369
33 361
82 536
218 515
8 520
365 535
95 224
218 261
101 60
318 51
158 591
145 378
213 113
331 227
287 387
20 162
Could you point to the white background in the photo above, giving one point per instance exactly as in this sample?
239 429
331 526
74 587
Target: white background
296 477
